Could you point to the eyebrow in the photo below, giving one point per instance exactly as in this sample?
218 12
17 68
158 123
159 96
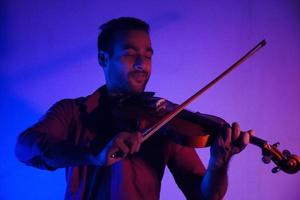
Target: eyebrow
128 46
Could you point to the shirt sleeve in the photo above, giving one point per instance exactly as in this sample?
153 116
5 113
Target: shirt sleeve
50 143
187 169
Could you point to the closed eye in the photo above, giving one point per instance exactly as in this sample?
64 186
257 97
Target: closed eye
129 52
148 57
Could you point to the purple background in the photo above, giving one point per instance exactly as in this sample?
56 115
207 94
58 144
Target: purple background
48 52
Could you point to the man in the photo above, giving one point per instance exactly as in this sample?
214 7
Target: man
83 134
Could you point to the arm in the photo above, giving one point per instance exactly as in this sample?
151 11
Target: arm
190 174
50 143
215 181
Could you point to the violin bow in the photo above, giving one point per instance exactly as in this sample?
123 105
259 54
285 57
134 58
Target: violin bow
150 131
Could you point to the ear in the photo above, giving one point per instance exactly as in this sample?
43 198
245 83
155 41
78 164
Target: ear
103 58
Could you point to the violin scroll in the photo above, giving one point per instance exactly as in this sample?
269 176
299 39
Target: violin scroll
284 161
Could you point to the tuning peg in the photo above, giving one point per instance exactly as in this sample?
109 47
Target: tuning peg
266 159
275 170
286 153
276 144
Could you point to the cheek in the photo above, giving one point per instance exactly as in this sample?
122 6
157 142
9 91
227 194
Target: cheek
148 66
127 63
120 69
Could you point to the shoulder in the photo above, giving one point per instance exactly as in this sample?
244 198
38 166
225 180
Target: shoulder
84 103
62 109
67 104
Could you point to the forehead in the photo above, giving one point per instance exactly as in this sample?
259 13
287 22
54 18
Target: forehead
136 38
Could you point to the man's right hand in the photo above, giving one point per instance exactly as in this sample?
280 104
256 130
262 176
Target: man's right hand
126 142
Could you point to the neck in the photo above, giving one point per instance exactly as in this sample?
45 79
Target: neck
113 91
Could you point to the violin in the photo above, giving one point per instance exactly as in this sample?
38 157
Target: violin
196 130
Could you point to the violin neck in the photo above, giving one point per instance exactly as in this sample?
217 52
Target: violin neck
258 141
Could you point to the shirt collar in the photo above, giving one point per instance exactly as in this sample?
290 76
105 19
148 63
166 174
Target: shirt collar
92 101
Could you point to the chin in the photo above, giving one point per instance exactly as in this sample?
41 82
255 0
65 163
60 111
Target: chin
134 87
138 90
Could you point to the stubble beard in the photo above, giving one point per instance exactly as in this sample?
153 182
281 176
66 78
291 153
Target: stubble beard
138 81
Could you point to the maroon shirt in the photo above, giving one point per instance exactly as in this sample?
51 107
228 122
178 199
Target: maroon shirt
74 129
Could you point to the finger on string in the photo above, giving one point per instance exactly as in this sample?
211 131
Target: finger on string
235 131
227 135
242 140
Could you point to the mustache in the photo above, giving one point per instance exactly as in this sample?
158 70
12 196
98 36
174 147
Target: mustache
139 72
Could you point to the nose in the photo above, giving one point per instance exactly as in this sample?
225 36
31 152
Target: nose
139 65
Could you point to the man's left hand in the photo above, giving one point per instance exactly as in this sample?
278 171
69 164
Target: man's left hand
230 142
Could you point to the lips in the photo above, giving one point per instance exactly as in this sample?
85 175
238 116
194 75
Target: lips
139 76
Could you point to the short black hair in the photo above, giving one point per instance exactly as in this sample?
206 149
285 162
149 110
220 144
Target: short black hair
106 37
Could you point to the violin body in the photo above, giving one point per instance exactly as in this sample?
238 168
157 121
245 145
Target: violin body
187 128
193 129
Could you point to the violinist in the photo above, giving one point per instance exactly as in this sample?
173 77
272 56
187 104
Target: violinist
82 134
